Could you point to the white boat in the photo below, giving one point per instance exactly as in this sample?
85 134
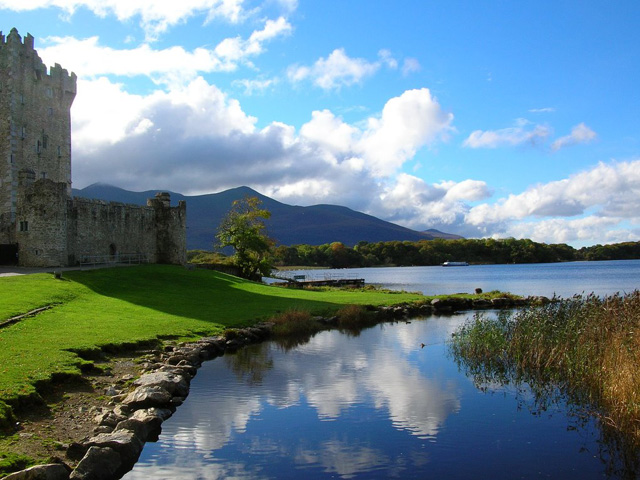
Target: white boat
455 264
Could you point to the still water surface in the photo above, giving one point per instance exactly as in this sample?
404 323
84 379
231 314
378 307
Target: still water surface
375 405
562 279
378 405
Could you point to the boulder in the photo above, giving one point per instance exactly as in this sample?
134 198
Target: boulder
53 471
123 442
99 463
143 397
173 383
146 424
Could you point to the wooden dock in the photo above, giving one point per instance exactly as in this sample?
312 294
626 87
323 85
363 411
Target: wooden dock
301 281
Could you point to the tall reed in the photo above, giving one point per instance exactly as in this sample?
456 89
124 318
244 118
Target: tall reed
589 347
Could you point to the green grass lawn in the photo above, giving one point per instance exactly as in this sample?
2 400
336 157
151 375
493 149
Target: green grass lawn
110 307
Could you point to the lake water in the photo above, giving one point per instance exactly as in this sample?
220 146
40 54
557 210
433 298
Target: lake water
378 405
562 279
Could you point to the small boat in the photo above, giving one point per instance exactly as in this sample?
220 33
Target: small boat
455 264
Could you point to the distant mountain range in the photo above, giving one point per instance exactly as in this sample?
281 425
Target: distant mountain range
288 225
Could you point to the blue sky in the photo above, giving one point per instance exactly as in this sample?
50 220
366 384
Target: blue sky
486 119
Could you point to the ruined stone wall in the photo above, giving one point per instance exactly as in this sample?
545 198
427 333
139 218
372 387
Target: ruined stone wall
171 230
99 228
42 224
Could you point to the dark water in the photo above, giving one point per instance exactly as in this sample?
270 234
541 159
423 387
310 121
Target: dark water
562 279
375 405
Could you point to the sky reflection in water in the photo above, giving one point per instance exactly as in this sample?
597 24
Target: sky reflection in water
375 405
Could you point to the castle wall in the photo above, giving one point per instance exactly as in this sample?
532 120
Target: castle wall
42 224
98 228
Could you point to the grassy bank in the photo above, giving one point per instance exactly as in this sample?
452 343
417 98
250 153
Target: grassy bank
586 346
95 309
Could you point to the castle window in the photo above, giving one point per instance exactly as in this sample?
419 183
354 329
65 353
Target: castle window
50 112
49 92
45 140
38 146
24 226
12 158
23 133
59 151
21 99
43 175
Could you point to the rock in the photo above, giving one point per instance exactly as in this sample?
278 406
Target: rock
186 371
451 304
102 429
481 304
124 442
146 424
109 419
100 463
143 397
501 302
111 391
53 471
173 383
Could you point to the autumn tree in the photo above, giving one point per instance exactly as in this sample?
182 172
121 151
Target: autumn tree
243 229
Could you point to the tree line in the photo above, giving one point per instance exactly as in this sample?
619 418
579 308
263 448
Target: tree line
438 251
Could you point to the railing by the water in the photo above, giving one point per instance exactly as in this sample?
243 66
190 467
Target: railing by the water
120 258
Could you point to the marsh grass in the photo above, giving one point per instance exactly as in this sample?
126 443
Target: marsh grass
294 322
587 347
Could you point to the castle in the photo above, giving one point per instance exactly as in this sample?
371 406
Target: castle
41 223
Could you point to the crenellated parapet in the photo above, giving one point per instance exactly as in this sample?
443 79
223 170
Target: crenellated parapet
19 57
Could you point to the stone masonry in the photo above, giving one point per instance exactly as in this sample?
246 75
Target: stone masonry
41 224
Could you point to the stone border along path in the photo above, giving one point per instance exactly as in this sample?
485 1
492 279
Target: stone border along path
137 416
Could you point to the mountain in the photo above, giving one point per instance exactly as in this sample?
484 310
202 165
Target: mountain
288 225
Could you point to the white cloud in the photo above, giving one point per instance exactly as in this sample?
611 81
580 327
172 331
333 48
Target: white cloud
336 71
579 134
606 195
409 66
174 65
155 17
408 122
522 133
256 86
542 110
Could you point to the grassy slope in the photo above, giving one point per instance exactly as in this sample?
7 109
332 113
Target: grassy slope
125 305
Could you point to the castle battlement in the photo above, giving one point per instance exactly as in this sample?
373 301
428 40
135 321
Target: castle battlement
98 202
14 46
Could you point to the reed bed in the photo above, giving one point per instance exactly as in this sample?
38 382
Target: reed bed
587 347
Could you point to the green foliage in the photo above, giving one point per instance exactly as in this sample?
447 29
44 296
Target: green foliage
205 257
7 419
106 308
10 462
243 230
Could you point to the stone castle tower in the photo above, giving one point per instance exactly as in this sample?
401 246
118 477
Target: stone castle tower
35 121
40 223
